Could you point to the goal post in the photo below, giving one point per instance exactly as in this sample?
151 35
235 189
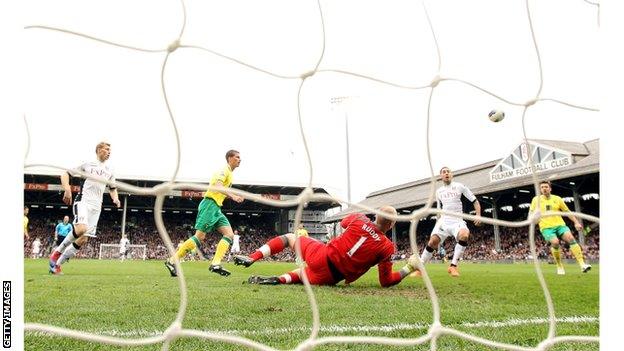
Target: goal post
133 252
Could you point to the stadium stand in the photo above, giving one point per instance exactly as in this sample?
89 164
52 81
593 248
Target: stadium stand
255 232
503 194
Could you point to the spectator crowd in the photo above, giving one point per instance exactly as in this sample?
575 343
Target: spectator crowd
141 230
514 245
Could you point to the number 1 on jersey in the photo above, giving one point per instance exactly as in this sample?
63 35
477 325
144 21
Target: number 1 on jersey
357 246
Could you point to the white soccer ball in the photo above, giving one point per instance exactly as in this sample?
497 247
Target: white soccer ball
496 115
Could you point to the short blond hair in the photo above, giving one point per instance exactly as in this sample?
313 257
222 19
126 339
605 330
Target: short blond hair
100 145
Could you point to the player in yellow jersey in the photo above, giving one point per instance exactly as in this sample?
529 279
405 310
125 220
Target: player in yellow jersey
26 223
210 217
553 228
301 231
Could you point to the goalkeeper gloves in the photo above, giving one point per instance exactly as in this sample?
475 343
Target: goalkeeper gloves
413 261
411 265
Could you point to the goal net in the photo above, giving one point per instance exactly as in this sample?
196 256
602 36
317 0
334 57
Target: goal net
432 85
113 251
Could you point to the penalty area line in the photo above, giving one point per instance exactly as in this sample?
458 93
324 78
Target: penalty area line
349 328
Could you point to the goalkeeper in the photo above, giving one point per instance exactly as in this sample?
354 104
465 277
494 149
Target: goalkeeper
347 257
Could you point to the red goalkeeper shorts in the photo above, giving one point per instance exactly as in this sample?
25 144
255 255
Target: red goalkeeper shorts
314 253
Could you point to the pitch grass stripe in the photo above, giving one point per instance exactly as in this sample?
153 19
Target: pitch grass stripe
353 328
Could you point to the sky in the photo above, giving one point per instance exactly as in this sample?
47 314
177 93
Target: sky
81 91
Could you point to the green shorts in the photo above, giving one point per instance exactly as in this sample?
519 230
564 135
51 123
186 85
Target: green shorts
554 232
209 216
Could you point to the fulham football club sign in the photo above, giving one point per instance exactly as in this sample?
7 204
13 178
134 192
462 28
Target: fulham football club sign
516 164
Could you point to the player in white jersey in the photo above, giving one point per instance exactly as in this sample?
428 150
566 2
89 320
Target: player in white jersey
235 243
235 249
123 247
87 205
36 247
448 198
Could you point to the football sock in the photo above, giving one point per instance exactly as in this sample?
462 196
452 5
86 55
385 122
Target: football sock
222 247
289 278
576 250
556 253
189 245
427 254
69 252
272 247
460 247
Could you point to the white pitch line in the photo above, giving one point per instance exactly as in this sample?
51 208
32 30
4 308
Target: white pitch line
350 328
515 322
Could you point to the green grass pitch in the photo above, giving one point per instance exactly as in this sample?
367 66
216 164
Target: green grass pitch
501 302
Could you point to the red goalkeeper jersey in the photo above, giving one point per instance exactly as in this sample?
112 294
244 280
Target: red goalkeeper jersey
360 247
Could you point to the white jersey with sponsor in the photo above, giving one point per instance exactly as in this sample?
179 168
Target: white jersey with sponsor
92 191
236 244
123 244
449 199
36 246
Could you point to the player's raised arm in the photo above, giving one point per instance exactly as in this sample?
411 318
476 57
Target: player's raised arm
564 208
477 207
26 222
472 198
234 197
438 205
533 205
67 195
114 194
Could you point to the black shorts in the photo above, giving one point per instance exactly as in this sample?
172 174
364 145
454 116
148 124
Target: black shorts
59 240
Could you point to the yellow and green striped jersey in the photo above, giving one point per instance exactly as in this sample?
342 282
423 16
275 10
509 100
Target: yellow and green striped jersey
553 203
225 176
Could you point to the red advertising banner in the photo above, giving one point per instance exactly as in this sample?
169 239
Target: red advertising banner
192 193
35 186
49 187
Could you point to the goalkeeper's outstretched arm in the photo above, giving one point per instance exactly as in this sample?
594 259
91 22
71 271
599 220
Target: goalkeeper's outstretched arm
388 278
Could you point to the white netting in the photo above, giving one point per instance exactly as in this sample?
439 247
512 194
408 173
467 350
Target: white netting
436 328
113 251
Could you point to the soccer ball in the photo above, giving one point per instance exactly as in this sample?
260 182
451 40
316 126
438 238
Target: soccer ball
496 115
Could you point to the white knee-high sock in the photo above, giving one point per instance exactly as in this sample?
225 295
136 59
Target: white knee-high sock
459 251
69 252
426 255
70 238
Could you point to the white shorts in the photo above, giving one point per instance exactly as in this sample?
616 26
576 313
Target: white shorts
235 249
35 251
122 250
87 214
446 229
